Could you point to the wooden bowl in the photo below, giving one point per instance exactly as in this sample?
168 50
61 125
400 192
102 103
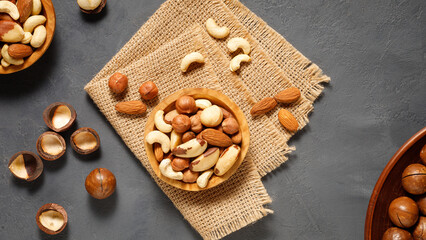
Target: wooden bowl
49 12
217 98
389 187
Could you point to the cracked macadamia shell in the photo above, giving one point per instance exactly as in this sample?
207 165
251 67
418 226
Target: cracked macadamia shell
25 165
98 9
52 218
59 116
85 141
51 146
100 183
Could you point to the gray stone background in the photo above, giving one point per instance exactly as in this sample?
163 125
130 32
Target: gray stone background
374 52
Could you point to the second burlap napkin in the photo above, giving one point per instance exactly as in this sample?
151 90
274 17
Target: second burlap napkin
215 212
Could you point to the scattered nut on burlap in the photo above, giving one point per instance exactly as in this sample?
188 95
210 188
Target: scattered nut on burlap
276 65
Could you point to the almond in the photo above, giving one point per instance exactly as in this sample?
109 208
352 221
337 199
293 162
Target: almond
5 16
288 120
216 138
19 50
263 106
288 95
158 152
131 107
10 32
25 8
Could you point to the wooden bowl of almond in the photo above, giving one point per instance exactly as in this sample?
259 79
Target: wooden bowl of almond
196 139
26 31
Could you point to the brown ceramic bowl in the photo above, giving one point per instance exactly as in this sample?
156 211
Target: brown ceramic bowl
217 98
389 186
49 12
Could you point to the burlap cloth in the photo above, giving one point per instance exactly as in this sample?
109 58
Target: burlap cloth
154 54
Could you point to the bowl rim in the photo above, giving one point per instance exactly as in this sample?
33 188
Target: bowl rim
232 107
49 12
383 176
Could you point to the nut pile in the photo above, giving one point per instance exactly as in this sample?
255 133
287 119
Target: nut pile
234 44
195 140
404 211
118 82
21 30
286 96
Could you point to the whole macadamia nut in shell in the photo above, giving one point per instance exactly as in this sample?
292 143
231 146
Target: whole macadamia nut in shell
403 212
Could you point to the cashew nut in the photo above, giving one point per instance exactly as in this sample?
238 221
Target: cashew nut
204 178
190 149
236 61
235 43
36 7
191 58
39 36
175 139
227 159
9 8
33 22
8 58
27 38
202 103
159 137
4 63
168 118
215 31
160 124
206 160
167 170
211 116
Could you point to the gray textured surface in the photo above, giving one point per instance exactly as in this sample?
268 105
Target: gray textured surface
374 52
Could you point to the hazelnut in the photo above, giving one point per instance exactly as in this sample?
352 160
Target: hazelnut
59 116
226 113
190 176
196 125
237 138
85 141
100 183
414 179
51 218
188 136
185 104
26 165
423 154
419 232
395 233
148 90
421 203
403 212
181 123
230 126
219 128
51 146
168 118
179 164
118 83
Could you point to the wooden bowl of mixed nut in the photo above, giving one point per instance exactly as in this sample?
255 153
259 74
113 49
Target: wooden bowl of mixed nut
26 31
196 139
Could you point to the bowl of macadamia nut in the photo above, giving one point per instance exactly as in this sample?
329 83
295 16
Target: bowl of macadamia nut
196 139
26 31
397 208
